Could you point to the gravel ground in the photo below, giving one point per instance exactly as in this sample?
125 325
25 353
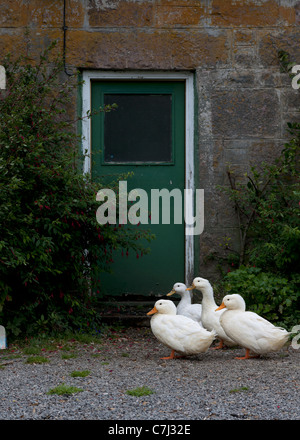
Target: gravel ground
210 386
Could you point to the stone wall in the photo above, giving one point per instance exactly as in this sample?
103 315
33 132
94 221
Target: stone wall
243 101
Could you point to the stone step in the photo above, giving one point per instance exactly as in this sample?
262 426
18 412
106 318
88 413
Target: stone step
130 313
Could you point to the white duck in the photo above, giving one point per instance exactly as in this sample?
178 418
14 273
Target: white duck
179 333
185 306
250 330
210 319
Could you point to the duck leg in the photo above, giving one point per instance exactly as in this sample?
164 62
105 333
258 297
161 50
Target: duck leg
247 355
218 347
172 356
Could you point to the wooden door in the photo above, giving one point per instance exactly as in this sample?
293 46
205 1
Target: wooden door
144 135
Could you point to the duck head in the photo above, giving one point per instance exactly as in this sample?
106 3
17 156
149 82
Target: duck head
163 306
199 283
233 302
179 288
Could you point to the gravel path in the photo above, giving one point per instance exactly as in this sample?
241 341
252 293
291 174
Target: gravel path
212 386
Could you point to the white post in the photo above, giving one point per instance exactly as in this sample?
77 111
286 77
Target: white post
2 77
2 338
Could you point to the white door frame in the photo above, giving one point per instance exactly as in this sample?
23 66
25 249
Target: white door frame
188 77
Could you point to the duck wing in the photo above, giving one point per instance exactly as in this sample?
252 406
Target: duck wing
193 312
177 332
256 333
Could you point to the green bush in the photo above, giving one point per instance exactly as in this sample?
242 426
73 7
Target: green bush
274 297
47 206
267 208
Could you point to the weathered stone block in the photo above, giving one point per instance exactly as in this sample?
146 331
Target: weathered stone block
148 50
11 42
244 37
119 14
13 13
34 13
179 15
218 210
15 42
250 13
211 163
241 154
245 56
246 113
290 99
214 242
264 151
233 77
266 78
270 41
50 13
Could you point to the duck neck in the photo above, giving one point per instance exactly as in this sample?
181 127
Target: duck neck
184 301
208 296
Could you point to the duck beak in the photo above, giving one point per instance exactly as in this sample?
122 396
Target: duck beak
222 306
192 287
171 293
154 310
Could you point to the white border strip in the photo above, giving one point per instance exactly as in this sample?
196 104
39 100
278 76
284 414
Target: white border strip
188 77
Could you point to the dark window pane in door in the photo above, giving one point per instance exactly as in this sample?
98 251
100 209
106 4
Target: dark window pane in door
140 129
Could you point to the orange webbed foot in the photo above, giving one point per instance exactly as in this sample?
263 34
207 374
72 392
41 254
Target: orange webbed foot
247 356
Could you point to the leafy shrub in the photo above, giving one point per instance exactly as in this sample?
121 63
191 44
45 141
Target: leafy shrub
274 297
51 244
267 207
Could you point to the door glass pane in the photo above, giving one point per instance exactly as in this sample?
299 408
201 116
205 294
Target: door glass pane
139 130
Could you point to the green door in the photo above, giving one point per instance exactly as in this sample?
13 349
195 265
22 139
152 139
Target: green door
146 136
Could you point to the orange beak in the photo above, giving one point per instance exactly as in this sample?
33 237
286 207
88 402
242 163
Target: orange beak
192 287
222 306
154 310
171 293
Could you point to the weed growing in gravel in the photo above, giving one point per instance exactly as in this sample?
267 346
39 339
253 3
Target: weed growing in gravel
36 360
31 350
237 390
83 373
64 389
139 391
10 357
69 356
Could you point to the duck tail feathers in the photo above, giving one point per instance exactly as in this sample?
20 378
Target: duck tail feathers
214 333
